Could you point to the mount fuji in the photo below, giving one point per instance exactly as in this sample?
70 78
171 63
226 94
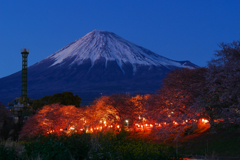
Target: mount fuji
99 63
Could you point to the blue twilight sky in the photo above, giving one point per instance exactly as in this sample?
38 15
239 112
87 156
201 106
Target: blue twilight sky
177 29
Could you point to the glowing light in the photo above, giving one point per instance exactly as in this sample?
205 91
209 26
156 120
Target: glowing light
138 125
100 121
81 129
204 121
127 121
61 129
104 122
151 125
72 128
118 126
111 126
146 124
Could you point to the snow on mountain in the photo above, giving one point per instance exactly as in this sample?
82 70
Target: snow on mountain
103 44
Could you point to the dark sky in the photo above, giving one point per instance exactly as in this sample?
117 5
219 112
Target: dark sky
177 29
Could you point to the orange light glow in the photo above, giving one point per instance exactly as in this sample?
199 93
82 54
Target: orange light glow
204 121
151 125
118 126
61 130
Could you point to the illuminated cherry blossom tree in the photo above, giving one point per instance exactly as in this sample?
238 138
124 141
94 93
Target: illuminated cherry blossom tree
54 118
172 108
222 95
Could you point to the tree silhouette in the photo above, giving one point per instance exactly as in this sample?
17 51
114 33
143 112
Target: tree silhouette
65 98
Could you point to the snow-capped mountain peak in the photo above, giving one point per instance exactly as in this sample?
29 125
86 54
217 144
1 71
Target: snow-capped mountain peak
102 44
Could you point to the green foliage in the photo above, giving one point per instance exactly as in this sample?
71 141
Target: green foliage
95 146
140 150
8 153
127 147
53 147
65 98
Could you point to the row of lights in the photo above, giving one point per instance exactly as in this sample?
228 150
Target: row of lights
138 125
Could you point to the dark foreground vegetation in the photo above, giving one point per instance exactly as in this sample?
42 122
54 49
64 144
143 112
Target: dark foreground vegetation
107 146
224 142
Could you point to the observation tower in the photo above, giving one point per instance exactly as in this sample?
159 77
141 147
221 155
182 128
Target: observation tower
24 53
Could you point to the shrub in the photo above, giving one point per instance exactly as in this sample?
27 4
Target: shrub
8 153
62 147
127 147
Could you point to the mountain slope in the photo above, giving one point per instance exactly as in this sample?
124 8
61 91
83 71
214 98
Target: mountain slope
101 62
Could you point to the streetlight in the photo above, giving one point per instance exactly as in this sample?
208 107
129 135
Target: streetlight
126 122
